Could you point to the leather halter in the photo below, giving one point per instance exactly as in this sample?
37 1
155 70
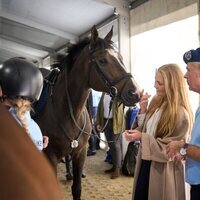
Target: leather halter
110 84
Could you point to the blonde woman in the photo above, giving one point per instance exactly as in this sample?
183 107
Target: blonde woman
21 83
168 117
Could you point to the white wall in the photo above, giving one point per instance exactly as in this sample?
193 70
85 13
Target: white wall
160 46
161 32
162 36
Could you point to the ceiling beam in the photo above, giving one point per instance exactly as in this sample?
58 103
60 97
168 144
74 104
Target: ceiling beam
36 25
7 54
27 44
136 3
16 47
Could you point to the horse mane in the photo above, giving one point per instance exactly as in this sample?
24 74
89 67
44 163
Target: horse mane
75 49
71 54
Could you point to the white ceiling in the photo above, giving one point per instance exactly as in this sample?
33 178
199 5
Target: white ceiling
37 28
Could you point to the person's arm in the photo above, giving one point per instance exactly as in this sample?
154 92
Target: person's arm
155 148
193 152
173 148
132 135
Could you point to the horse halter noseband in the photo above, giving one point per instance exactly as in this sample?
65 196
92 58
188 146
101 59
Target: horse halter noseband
110 84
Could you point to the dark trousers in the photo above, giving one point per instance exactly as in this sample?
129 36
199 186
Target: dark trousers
92 142
142 185
195 192
114 143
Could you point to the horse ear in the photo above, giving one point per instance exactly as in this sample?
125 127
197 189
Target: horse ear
94 36
109 35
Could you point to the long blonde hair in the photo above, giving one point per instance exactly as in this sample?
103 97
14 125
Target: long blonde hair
21 106
176 95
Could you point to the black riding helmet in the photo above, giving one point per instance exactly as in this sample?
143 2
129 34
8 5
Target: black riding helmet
20 78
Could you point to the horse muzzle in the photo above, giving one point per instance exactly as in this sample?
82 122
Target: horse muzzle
130 98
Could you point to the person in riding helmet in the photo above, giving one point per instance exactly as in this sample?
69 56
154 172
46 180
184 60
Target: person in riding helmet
21 83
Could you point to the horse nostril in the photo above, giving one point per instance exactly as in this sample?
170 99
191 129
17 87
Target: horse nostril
130 97
131 94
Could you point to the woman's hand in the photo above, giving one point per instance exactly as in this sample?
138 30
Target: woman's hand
98 127
132 135
173 148
144 100
45 141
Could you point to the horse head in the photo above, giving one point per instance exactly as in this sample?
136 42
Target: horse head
107 70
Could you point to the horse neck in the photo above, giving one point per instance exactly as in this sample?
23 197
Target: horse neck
77 90
78 81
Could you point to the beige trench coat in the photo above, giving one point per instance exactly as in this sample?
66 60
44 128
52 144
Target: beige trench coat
166 181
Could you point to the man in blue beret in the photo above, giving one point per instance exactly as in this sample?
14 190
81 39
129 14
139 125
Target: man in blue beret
191 151
192 56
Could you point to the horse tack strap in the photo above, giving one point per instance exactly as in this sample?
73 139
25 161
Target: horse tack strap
74 144
72 112
48 84
118 79
110 83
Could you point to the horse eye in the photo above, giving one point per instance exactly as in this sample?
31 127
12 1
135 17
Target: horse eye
103 61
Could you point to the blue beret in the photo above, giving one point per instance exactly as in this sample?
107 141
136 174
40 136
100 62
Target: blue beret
192 56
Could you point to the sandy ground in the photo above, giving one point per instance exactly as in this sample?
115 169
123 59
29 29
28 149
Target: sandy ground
97 185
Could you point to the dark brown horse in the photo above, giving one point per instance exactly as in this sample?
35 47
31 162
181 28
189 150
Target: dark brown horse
25 172
92 63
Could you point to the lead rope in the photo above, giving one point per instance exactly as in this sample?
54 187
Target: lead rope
102 130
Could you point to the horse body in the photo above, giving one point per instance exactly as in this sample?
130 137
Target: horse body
25 172
64 119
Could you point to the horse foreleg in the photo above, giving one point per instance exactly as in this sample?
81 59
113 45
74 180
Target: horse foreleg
52 159
78 160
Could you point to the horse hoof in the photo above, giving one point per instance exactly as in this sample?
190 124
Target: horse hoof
69 177
83 175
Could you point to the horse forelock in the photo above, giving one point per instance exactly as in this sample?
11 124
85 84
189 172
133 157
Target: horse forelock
74 51
104 44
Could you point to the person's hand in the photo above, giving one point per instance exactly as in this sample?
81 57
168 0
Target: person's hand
178 157
45 141
98 127
173 148
132 135
144 100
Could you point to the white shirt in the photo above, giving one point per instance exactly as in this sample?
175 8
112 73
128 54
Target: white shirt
33 128
153 122
106 105
96 96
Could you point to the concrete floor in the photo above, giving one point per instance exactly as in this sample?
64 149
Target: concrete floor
97 185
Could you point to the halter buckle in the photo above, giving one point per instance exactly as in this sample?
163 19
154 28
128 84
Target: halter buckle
113 91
